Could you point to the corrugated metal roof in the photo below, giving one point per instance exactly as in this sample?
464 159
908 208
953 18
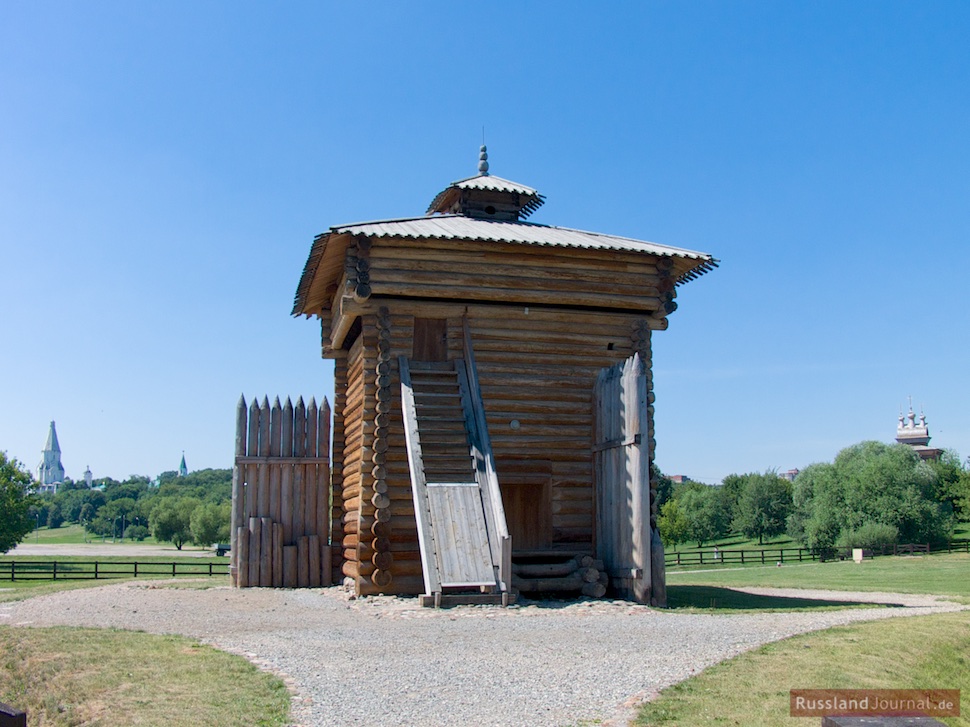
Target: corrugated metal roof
455 227
459 227
495 184
533 200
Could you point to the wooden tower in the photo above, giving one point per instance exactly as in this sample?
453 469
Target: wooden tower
493 415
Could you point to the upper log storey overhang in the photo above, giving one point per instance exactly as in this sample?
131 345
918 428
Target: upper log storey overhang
481 209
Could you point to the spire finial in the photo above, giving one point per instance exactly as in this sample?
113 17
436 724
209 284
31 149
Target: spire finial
483 160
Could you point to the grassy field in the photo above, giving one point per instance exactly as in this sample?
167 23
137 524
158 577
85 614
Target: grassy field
928 652
23 588
947 574
736 541
77 535
63 676
753 689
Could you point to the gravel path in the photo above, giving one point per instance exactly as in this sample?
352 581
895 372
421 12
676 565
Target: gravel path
386 661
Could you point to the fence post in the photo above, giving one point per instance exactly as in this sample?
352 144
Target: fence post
762 557
173 569
135 564
742 556
13 570
95 570
55 570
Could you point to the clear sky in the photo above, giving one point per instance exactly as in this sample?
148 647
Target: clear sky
164 168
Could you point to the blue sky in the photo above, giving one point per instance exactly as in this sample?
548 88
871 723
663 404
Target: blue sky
165 166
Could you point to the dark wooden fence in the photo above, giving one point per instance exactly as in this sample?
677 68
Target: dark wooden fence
13 570
745 556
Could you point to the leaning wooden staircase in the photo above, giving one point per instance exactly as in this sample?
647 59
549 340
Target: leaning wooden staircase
464 541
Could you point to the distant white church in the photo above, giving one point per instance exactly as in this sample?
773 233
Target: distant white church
50 471
917 436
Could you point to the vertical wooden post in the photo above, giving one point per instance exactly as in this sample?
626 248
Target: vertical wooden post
266 553
238 496
286 480
263 484
252 450
303 562
277 555
299 481
290 578
314 561
242 539
275 433
255 530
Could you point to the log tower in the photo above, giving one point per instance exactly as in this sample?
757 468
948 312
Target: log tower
493 413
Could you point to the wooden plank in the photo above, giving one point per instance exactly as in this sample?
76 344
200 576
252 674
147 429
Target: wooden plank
266 553
238 492
242 540
303 562
313 545
461 537
255 528
429 563
277 555
290 569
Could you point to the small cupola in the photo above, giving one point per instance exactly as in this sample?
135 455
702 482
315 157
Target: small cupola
487 197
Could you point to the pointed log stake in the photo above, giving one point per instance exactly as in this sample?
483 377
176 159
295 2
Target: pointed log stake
299 429
312 421
286 447
238 496
264 427
252 449
310 476
275 427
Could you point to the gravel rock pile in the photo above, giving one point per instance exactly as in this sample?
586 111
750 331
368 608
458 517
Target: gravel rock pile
387 661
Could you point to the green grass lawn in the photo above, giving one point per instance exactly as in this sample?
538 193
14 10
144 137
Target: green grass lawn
947 574
927 652
72 534
736 541
71 676
25 588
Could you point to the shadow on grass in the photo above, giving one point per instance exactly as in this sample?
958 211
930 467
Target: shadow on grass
712 597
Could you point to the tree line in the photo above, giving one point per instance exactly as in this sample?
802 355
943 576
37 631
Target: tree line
871 494
191 509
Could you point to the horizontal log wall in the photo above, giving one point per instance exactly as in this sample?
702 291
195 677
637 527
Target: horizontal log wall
536 367
528 274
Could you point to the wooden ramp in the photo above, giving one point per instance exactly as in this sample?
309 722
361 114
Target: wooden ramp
462 533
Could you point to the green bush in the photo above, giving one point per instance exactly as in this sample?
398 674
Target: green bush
869 536
136 532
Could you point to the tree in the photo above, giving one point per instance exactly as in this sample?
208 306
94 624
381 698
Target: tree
869 482
120 512
16 498
672 523
954 482
662 485
209 523
171 520
55 518
763 506
707 512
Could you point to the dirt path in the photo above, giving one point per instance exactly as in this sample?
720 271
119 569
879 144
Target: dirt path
386 661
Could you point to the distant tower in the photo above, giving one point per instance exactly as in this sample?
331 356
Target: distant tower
183 470
50 471
88 477
916 435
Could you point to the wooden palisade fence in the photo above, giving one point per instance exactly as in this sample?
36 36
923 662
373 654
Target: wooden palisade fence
280 495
